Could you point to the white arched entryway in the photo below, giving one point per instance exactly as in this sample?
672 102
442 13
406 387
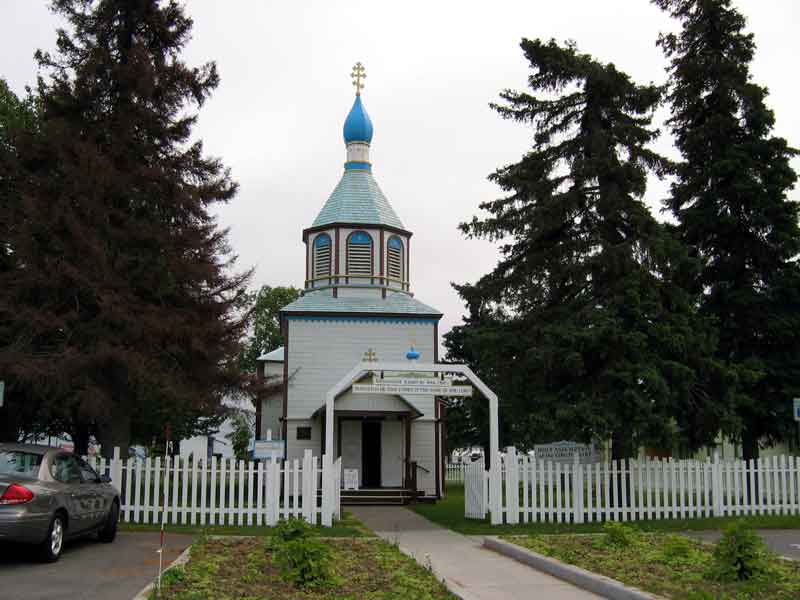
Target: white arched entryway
363 368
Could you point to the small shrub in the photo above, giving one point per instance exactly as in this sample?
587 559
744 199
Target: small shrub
740 555
293 529
619 535
303 560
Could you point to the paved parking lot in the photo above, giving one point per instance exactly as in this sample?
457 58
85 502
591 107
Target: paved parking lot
87 570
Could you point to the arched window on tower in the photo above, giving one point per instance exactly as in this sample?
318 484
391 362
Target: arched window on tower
321 260
359 256
395 262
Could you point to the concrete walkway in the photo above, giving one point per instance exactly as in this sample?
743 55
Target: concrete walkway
469 570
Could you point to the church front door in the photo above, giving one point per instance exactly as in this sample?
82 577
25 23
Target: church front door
371 453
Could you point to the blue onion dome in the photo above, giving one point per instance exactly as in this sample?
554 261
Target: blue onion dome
412 354
358 126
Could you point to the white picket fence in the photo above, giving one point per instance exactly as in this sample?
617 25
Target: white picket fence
454 472
231 492
631 490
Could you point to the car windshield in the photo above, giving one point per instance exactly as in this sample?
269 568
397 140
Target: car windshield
15 462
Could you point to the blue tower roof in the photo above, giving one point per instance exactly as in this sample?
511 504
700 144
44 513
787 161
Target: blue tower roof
358 126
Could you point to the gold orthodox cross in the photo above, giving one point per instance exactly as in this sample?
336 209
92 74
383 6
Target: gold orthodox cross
358 75
370 356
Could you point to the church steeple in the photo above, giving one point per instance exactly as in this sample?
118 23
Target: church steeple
357 244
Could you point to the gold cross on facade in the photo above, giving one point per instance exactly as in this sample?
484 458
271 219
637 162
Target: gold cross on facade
358 75
370 356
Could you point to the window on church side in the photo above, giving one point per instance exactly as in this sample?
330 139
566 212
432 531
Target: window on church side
322 256
394 260
359 255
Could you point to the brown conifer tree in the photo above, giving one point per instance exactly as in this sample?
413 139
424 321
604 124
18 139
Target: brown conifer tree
124 311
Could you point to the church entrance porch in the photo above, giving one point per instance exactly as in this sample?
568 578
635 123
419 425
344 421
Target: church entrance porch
375 447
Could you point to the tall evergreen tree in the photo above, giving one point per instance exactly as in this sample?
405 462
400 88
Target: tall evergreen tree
266 334
580 325
123 310
730 200
21 410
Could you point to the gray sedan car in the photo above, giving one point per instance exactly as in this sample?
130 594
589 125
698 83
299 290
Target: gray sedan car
48 495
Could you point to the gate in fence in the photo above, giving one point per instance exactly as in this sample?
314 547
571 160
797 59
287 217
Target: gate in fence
224 492
535 490
476 490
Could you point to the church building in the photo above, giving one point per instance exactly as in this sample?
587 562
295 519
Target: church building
358 305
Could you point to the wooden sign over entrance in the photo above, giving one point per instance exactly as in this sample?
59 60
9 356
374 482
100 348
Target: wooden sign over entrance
437 389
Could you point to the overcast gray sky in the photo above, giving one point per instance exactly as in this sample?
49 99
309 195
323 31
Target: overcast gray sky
432 68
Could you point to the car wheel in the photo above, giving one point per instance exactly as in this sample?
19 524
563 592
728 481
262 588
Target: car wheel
53 544
109 530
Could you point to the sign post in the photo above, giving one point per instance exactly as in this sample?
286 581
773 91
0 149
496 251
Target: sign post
167 449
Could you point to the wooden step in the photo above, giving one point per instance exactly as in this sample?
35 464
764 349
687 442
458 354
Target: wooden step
377 496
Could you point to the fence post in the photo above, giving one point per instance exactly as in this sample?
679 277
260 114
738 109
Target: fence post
577 489
327 491
305 496
512 486
116 470
716 485
495 490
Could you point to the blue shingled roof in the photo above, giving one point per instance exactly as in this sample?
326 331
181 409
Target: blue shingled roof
357 199
395 303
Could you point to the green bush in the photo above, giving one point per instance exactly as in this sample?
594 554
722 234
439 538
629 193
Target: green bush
676 547
740 555
303 560
619 535
293 529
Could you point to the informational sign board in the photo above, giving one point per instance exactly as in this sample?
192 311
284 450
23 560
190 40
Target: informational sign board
796 409
412 390
268 449
564 452
412 380
350 479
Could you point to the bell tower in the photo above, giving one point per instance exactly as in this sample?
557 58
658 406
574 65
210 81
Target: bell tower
357 245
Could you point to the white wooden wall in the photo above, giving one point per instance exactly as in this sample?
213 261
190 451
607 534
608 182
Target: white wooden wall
326 350
634 490
231 492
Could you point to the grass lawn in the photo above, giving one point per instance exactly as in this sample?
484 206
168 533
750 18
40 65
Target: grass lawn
667 564
450 513
349 526
365 569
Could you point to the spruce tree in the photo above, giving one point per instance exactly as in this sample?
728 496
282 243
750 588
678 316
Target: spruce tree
124 311
580 325
730 199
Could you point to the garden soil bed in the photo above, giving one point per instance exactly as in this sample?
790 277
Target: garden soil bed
243 568
670 565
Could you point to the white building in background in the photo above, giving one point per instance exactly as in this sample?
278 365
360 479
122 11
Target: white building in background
357 305
217 442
